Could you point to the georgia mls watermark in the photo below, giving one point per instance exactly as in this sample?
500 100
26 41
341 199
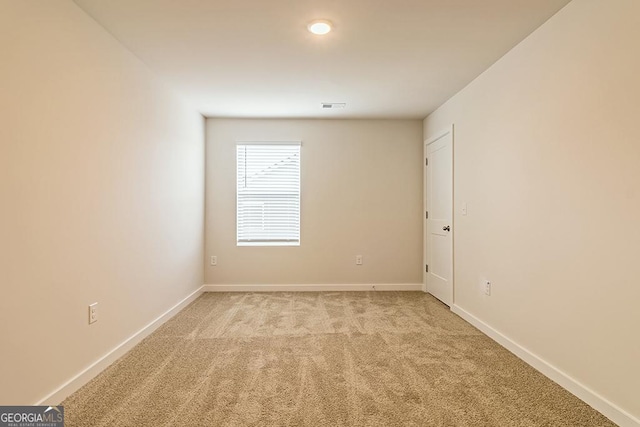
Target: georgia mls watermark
31 416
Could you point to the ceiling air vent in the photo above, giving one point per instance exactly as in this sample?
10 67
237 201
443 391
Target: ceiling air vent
333 105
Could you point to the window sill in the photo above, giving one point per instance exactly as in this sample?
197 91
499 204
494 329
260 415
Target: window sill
267 243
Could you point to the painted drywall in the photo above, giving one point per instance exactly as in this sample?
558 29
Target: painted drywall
102 193
361 194
546 158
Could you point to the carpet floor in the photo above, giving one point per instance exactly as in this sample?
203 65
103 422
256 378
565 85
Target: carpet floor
322 359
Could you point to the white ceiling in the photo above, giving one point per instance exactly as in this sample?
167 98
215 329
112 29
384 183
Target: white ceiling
255 58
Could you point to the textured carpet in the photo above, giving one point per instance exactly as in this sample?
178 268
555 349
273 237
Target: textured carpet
322 359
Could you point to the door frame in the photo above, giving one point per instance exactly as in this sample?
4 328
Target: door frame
437 136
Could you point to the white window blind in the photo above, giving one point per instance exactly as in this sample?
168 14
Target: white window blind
268 193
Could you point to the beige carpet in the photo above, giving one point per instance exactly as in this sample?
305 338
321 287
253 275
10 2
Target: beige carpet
322 359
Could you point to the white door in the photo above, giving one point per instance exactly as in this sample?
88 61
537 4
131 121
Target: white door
438 216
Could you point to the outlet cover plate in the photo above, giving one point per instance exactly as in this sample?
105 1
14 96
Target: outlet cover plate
93 313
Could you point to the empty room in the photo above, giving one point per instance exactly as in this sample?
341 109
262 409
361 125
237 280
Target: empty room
319 213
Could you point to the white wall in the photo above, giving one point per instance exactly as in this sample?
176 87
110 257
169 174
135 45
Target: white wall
547 155
361 194
101 187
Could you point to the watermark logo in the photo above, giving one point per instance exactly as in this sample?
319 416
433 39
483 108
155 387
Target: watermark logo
31 416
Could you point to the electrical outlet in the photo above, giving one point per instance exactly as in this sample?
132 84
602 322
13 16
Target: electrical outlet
93 313
358 259
214 260
487 287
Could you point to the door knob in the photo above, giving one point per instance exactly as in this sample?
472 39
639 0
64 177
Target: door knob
446 228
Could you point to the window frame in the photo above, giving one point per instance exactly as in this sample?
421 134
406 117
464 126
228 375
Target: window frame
270 243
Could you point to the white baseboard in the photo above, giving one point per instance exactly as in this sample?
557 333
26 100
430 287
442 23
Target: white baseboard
57 396
315 288
599 403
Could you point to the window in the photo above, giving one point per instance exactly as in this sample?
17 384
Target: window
268 193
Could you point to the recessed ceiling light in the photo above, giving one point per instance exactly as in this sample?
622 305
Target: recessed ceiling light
319 27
